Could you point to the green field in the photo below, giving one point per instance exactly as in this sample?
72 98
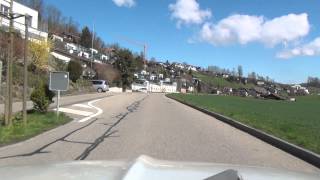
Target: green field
297 122
37 123
220 82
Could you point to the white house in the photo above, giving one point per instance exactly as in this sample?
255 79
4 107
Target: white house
71 46
298 87
19 23
64 58
153 77
56 38
94 51
260 83
192 68
155 88
104 57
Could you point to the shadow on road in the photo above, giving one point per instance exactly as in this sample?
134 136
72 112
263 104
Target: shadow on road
107 134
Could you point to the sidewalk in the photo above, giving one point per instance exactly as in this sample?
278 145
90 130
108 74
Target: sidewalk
64 100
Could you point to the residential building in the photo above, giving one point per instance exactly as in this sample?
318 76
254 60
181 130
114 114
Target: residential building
161 87
19 23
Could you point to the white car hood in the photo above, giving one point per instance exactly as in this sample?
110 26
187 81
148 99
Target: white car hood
144 168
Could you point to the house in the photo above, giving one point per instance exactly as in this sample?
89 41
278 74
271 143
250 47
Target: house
153 77
300 90
63 58
161 87
227 90
160 76
55 37
260 83
104 57
19 23
71 46
225 76
94 51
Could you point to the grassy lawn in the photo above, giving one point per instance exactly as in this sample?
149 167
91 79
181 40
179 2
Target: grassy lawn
297 122
220 82
37 123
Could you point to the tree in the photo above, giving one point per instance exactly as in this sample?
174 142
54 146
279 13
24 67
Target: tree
41 97
138 63
124 64
54 18
39 52
240 71
106 72
86 37
75 70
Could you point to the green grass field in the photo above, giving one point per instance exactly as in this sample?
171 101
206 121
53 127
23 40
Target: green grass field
297 122
220 82
37 123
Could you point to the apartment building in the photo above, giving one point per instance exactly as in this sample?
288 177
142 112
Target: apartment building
19 23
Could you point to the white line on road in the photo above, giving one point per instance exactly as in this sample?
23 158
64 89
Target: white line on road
83 106
100 111
73 111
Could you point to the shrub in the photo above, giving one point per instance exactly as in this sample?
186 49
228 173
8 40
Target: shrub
41 97
75 70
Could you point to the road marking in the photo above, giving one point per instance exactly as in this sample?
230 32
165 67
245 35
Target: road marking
72 111
99 111
83 106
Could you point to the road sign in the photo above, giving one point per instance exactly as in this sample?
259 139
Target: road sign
59 81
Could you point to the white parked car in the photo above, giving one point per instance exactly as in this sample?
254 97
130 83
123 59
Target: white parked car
100 85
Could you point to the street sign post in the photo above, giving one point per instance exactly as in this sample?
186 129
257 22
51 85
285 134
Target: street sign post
59 81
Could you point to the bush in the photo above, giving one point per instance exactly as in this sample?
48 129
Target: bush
75 70
41 97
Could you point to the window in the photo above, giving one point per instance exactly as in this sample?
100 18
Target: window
96 82
30 21
4 9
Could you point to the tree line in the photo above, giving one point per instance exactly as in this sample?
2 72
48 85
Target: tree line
52 20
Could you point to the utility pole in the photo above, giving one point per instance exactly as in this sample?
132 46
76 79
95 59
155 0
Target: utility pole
25 70
0 76
8 109
92 39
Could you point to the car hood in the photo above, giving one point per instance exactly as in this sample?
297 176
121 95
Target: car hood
146 168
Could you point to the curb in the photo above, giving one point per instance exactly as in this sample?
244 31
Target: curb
290 148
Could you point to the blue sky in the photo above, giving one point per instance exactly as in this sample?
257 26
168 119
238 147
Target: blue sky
275 38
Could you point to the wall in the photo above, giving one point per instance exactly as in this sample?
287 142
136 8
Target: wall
19 22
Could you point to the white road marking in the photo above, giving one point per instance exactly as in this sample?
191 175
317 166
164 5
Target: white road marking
72 111
83 106
99 111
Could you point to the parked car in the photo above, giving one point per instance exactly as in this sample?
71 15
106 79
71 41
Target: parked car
100 85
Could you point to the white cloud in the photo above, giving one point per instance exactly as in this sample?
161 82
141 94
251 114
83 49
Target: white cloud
188 12
309 49
124 3
244 29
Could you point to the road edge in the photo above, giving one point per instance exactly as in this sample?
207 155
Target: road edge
290 148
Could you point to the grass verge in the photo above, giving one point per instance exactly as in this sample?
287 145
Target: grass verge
296 122
37 123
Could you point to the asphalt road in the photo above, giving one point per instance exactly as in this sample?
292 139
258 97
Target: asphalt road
125 126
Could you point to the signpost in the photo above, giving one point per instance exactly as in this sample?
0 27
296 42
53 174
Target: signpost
59 81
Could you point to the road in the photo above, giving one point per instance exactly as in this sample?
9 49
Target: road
65 100
125 126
